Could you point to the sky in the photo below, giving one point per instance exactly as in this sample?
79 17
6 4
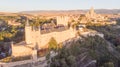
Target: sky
28 5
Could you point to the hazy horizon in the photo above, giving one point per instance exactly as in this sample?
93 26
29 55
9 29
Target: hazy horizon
23 5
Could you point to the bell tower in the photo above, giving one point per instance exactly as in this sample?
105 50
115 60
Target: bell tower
91 13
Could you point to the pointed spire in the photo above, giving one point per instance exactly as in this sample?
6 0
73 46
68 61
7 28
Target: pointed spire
27 22
92 10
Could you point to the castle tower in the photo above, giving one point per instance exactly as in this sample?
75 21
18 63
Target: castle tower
28 34
32 35
36 36
62 20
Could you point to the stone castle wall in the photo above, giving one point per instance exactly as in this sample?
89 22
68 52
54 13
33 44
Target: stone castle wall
42 41
20 51
59 36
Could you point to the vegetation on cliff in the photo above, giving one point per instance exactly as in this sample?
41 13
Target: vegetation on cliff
88 51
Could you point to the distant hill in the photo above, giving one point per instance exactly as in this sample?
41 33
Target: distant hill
61 12
100 11
53 12
7 14
107 11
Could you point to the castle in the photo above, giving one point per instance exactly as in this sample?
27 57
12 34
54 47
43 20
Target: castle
34 38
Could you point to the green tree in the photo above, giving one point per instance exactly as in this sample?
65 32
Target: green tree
53 44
